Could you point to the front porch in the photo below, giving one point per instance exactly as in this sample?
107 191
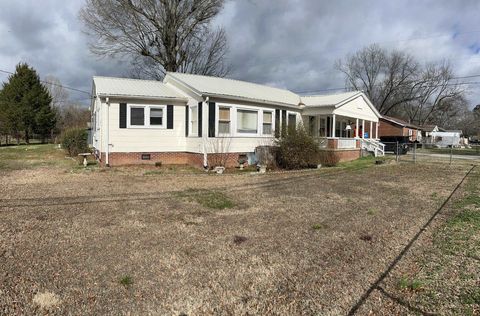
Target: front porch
343 122
342 132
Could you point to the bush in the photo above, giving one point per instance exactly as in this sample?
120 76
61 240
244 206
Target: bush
297 150
75 141
328 158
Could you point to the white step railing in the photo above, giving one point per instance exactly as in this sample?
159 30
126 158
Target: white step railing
374 146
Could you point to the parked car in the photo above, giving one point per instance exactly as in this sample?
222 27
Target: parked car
391 144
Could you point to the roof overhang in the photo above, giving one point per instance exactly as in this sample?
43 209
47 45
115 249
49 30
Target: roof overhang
141 97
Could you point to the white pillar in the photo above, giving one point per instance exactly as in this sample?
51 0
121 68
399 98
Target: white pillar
356 130
333 125
363 128
376 130
370 135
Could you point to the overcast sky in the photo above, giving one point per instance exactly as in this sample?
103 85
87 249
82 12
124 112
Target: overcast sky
285 43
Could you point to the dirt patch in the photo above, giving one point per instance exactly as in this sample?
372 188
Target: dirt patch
46 300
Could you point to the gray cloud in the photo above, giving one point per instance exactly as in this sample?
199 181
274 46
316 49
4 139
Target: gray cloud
286 43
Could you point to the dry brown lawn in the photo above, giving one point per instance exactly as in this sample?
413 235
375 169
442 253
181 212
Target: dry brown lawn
119 242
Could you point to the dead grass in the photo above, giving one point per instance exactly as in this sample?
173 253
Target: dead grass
441 274
197 244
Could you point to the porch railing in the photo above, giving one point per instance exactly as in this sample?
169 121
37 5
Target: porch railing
347 143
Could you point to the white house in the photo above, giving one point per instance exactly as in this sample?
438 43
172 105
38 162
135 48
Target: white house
447 139
187 119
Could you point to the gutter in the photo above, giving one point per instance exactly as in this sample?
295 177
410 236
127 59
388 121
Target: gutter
141 97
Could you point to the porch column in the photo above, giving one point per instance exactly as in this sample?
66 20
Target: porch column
356 129
370 135
317 132
333 125
376 130
363 128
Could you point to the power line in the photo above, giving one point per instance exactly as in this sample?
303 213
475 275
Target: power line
52 83
448 84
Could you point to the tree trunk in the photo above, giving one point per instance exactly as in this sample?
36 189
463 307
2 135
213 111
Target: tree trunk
27 137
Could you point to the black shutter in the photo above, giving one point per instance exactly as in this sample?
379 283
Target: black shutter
211 119
169 116
186 121
277 123
284 122
200 112
123 115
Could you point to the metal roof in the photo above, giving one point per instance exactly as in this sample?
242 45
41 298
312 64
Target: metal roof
123 87
399 122
329 99
230 88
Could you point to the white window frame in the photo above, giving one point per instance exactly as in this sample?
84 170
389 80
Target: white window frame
217 119
272 134
251 109
146 118
233 120
191 132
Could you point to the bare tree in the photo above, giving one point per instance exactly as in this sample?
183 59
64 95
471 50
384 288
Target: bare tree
435 92
398 85
59 94
386 78
159 35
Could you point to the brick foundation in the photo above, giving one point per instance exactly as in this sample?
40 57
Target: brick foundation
170 158
346 154
196 159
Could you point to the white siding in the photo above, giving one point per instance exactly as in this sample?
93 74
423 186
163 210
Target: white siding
357 108
147 139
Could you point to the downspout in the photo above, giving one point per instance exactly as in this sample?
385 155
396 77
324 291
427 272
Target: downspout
107 138
205 135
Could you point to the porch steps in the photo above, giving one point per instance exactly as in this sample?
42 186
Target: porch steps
373 146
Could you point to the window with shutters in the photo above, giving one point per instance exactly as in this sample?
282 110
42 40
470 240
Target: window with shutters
223 120
247 121
156 116
267 127
146 116
194 120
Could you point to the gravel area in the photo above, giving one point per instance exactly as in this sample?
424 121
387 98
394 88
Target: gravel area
119 242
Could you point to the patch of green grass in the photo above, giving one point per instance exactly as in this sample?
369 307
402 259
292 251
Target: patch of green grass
317 226
361 163
33 156
372 211
126 281
471 296
410 284
208 198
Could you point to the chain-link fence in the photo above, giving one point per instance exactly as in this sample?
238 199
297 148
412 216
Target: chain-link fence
417 152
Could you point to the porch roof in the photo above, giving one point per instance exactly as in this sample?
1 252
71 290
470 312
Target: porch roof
329 99
354 104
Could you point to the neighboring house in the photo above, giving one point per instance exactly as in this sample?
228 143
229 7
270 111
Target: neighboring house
448 139
191 119
391 127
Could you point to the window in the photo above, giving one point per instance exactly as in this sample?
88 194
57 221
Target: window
137 116
292 121
156 116
247 121
223 120
194 120
267 123
322 131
